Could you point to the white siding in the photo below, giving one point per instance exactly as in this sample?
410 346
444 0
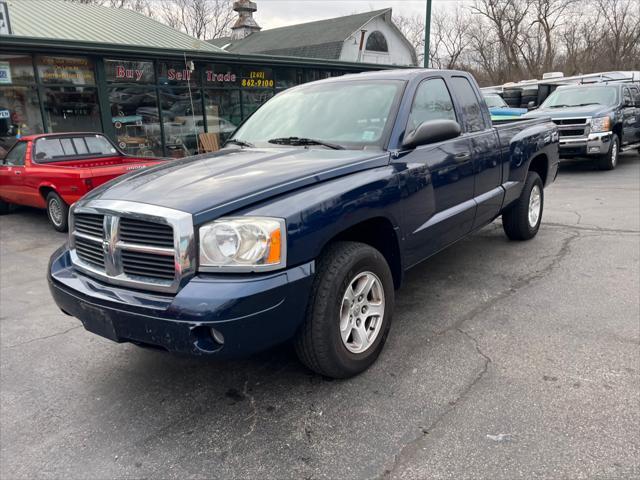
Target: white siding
399 52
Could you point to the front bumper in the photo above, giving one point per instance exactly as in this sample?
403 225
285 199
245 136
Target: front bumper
249 312
594 144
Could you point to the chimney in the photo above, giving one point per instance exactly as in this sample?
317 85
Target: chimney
245 25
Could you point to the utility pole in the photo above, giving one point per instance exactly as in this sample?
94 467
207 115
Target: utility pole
427 34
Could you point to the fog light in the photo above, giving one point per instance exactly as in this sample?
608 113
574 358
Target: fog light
594 149
217 336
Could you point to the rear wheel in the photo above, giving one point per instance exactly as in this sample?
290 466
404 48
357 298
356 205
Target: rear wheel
349 312
522 220
609 161
58 212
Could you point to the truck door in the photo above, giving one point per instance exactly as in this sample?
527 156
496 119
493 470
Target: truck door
485 151
629 118
440 209
634 120
12 174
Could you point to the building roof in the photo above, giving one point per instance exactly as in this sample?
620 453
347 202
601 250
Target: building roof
72 21
319 39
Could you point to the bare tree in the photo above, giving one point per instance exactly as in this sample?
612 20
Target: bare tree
204 19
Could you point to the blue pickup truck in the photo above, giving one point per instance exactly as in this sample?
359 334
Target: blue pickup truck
302 227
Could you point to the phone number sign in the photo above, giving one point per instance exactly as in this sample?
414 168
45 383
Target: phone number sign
257 79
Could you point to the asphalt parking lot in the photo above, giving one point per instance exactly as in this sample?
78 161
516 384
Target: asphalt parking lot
505 360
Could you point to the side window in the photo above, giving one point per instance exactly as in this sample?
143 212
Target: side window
626 97
469 104
15 156
635 94
432 102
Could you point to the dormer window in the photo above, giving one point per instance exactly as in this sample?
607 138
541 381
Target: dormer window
377 43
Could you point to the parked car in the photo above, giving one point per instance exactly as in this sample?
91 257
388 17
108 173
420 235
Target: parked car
303 225
53 171
595 121
499 109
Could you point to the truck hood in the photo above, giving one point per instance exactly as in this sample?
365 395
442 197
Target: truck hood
570 112
214 184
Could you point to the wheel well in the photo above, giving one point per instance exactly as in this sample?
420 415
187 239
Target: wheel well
540 165
379 233
617 129
44 191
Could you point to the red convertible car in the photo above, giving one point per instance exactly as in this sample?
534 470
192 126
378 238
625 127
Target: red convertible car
53 171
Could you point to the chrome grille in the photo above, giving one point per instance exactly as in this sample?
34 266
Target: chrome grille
148 265
574 132
90 224
137 245
570 121
572 127
90 251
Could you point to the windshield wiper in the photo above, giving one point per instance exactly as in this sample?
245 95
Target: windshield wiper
304 142
586 104
242 143
559 106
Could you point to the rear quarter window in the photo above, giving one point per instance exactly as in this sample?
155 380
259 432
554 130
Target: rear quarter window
52 149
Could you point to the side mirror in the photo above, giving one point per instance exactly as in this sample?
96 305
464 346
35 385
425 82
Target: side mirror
432 131
531 105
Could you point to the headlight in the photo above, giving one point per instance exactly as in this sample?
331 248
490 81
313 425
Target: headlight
243 244
600 124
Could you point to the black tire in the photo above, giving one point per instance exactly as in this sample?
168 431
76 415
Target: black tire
609 160
58 212
515 221
5 207
319 344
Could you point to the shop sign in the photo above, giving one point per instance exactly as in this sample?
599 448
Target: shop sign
5 73
126 71
217 77
76 70
257 79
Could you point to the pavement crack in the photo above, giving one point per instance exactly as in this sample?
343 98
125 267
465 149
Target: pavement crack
254 411
591 228
451 406
45 337
556 259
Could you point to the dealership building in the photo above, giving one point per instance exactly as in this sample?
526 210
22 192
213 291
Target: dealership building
73 67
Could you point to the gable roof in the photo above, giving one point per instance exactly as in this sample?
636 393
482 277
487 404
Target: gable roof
62 20
319 39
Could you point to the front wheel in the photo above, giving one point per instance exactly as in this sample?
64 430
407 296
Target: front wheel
609 160
522 220
58 212
349 311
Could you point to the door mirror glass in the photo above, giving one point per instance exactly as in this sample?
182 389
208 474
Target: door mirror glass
432 131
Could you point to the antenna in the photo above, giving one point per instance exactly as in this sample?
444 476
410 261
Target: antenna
191 67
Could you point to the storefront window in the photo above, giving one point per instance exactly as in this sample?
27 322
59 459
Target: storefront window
134 114
183 120
16 70
19 115
223 112
252 100
66 70
128 71
288 77
72 109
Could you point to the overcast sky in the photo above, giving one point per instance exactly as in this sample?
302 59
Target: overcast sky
277 13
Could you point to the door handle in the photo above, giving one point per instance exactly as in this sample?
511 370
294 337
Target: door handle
462 157
17 172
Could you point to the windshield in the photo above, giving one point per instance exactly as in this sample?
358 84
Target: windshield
581 96
350 114
495 101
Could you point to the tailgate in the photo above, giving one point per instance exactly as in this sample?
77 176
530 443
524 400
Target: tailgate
102 174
